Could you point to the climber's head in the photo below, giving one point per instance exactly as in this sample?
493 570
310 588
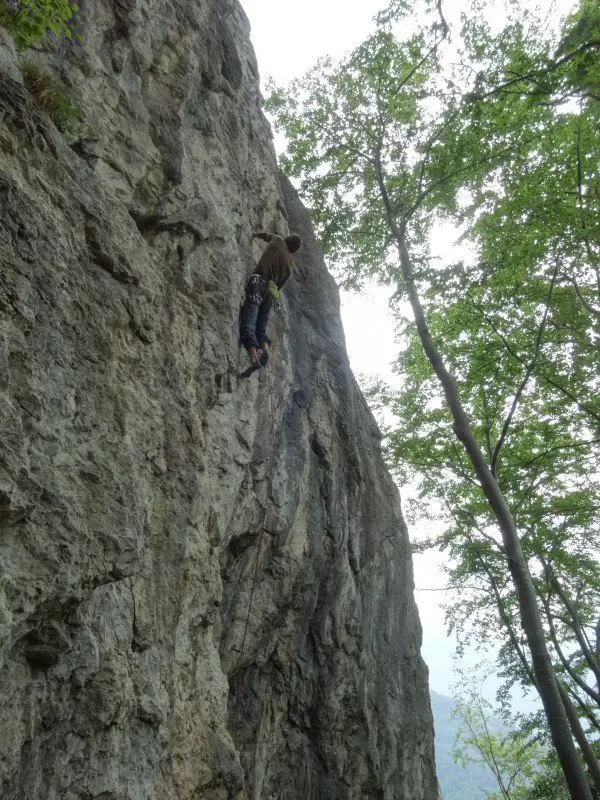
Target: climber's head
293 242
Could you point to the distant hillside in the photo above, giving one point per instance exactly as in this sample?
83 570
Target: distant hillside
456 783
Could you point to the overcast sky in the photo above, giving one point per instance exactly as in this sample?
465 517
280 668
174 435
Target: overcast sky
288 40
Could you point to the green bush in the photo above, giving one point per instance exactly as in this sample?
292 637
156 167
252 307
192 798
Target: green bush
51 99
29 21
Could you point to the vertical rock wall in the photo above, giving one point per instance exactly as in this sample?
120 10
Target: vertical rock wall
206 588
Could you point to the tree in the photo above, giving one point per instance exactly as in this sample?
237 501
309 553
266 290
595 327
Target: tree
514 758
383 146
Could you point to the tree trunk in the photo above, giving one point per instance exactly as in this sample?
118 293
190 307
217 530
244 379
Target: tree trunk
590 657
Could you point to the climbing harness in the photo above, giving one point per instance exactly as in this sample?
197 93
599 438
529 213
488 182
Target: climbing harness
264 515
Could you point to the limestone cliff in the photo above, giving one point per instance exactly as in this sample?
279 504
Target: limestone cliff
206 587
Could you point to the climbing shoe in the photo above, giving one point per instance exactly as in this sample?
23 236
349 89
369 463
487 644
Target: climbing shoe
252 368
264 358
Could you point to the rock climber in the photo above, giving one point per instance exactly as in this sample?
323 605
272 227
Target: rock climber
262 289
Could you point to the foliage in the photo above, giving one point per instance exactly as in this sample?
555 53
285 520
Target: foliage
463 769
30 21
51 99
513 757
456 782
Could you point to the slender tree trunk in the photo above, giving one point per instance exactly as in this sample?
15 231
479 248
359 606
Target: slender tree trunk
598 645
530 616
586 749
589 655
563 658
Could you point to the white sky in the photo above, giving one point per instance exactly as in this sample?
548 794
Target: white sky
288 40
290 37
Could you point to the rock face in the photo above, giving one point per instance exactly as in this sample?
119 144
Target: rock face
206 586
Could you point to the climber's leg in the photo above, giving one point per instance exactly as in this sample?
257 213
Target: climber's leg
262 321
255 292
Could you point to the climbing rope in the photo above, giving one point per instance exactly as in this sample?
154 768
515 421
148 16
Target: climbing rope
264 515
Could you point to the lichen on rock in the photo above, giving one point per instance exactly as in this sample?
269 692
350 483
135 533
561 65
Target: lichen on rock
206 585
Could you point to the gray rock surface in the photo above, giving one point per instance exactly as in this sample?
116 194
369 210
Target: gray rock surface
206 586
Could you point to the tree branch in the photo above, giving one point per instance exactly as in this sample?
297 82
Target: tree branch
593 663
570 395
541 376
506 621
563 659
585 708
539 72
426 57
589 308
572 446
445 28
454 174
528 372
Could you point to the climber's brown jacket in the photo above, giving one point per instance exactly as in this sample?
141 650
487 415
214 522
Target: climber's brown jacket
276 262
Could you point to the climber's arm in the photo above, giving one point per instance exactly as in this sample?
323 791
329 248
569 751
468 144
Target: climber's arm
266 237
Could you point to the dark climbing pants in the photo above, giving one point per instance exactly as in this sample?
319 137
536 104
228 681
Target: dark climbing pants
254 316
